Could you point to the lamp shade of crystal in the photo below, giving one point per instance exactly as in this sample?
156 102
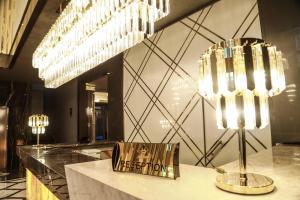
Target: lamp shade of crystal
38 123
240 75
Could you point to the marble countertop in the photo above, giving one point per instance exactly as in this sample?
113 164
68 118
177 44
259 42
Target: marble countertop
281 163
47 163
55 156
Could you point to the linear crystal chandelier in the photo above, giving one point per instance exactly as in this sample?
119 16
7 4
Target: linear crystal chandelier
89 32
240 74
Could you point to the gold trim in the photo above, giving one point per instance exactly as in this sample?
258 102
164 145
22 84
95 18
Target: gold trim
36 190
245 184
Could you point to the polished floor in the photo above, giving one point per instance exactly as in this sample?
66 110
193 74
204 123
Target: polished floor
13 189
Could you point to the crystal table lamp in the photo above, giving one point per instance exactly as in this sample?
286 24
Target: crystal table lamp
38 122
240 75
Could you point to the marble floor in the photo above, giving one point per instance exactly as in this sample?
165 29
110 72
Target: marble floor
13 189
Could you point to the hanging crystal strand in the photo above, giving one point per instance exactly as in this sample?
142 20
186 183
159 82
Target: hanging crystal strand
280 71
155 9
219 112
264 111
207 80
142 14
201 77
30 121
274 72
249 110
160 8
67 50
143 17
221 71
123 29
167 7
259 73
135 22
151 17
231 111
239 69
128 25
33 121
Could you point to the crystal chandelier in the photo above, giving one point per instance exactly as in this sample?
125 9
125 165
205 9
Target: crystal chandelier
38 123
241 74
89 32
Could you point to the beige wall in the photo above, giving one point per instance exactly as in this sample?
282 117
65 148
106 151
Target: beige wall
161 101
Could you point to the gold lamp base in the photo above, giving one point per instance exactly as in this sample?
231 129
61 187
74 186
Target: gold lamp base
248 183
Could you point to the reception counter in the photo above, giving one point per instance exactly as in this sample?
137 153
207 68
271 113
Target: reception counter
96 180
45 173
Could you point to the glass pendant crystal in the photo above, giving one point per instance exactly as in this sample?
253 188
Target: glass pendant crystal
231 111
221 71
206 76
249 110
239 68
264 111
259 72
219 115
89 32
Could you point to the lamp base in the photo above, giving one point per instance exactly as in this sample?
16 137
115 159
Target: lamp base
248 183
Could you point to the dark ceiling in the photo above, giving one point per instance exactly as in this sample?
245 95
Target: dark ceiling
101 84
22 69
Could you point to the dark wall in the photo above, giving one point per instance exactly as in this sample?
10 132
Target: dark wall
60 105
280 21
113 68
66 105
22 99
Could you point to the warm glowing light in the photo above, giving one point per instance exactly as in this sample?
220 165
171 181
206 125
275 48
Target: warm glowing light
231 112
38 123
264 111
249 110
241 74
2 128
259 72
89 32
277 73
239 68
221 71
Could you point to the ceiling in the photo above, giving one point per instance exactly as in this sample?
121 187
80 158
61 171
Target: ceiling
22 69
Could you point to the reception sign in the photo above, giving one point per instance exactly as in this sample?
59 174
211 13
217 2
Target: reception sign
154 159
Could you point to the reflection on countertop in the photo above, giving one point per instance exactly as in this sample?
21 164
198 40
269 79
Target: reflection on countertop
55 156
48 161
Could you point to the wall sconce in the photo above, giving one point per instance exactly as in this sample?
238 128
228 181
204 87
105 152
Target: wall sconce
240 75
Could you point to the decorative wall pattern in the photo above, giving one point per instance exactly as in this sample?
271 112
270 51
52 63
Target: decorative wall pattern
161 100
